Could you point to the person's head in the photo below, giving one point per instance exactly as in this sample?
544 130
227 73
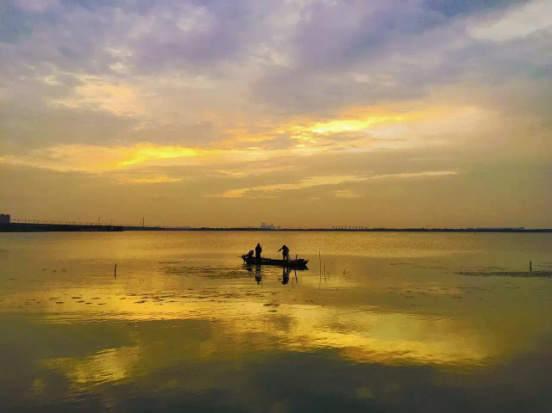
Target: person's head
258 244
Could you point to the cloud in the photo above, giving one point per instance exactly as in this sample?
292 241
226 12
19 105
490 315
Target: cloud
213 62
519 22
94 93
346 194
355 130
156 179
329 180
86 158
248 98
357 55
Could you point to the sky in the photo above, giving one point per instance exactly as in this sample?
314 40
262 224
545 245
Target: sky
305 113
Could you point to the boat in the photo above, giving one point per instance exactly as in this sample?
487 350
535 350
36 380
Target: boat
297 263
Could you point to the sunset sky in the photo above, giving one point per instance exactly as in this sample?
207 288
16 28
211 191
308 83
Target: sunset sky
421 113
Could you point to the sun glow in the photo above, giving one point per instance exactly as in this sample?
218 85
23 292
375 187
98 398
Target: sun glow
357 129
353 125
147 152
97 159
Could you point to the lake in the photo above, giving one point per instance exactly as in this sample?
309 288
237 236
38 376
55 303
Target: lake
379 322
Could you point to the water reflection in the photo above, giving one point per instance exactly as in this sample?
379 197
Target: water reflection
256 271
105 366
285 276
185 330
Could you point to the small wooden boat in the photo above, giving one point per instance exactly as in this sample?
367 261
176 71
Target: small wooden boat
297 263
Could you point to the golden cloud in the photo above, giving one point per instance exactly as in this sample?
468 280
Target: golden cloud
91 158
315 181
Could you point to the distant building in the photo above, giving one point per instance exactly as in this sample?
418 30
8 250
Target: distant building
5 218
264 225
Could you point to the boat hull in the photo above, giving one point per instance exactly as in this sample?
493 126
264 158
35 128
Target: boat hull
299 263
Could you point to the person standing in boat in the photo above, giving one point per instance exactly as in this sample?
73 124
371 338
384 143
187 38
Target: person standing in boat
258 250
285 252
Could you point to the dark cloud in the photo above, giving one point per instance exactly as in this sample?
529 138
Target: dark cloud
13 23
333 35
403 49
189 35
368 55
453 8
79 35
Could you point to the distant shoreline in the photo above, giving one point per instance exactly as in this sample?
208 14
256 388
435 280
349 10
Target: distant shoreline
39 227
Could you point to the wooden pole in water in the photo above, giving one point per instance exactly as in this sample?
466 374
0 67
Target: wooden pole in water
530 266
320 264
115 271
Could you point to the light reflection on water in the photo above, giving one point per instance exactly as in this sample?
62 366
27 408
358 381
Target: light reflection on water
387 322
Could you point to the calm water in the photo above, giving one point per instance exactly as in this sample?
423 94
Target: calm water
386 323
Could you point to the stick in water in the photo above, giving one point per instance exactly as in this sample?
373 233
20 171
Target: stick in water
115 271
320 264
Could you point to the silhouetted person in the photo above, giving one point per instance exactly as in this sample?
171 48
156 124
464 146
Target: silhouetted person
285 252
258 250
247 258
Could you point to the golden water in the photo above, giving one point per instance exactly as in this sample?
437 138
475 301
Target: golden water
386 322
